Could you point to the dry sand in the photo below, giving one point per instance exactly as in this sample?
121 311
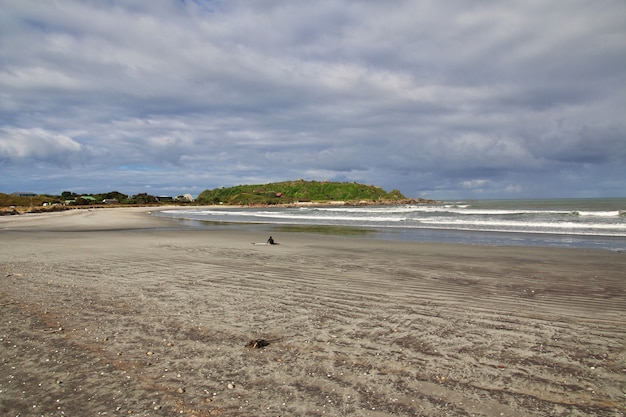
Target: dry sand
115 312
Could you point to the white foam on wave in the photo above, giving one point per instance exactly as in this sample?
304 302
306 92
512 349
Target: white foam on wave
362 209
378 219
285 215
613 213
555 227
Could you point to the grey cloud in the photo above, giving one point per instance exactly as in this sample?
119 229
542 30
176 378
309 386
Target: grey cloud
453 98
584 146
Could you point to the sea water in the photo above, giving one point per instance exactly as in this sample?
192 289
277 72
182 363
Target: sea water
586 223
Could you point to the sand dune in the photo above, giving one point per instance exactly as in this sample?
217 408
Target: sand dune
115 312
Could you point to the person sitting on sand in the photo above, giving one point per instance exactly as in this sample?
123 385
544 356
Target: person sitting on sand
270 241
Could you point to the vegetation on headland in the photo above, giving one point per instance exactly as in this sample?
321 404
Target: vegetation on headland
278 193
18 203
300 191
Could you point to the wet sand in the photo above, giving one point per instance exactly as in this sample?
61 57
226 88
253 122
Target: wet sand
116 312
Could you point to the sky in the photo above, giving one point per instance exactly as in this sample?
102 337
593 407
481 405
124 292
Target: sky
439 99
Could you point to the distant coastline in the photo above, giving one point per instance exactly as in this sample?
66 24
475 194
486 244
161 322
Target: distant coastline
297 193
20 210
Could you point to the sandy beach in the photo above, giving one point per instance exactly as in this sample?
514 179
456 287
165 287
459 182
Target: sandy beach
117 312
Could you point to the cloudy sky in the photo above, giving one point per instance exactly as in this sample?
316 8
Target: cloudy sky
439 99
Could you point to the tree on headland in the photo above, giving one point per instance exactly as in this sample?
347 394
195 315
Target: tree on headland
68 195
114 195
143 198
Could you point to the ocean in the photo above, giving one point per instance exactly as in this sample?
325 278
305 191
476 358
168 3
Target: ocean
581 223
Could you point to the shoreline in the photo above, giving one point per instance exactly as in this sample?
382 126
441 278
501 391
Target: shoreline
424 234
118 311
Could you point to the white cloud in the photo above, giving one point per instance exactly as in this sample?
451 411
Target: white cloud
37 144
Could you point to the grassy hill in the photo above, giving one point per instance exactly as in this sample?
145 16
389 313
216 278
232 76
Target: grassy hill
293 191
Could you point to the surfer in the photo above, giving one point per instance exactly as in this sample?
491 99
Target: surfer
270 241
